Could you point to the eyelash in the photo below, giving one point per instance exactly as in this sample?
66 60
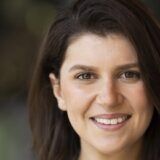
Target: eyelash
127 75
86 76
133 75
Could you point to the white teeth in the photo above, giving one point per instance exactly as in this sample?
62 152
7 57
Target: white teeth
111 121
120 120
114 121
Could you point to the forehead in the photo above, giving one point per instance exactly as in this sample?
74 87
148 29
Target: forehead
92 45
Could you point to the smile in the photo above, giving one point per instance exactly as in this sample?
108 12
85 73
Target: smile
110 122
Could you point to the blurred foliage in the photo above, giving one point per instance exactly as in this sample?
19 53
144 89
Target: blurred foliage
15 143
21 27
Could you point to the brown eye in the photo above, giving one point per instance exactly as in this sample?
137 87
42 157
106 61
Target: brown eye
85 76
130 75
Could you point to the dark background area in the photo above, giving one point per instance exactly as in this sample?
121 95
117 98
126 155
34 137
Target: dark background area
23 24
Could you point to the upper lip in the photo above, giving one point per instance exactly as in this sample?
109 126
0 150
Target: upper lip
110 116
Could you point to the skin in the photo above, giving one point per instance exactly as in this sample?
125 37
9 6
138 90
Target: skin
101 76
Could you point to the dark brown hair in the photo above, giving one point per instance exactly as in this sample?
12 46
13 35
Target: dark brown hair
53 136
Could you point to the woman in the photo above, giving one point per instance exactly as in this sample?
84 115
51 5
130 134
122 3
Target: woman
95 91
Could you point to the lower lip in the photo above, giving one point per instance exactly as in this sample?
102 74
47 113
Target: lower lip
110 127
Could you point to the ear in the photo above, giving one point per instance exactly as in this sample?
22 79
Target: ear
57 91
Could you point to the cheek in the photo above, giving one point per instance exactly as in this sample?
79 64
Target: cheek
138 97
77 102
76 98
143 99
141 106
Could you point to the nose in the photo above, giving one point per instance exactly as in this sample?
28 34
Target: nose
109 95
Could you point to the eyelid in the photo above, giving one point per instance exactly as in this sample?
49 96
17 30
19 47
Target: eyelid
86 72
136 75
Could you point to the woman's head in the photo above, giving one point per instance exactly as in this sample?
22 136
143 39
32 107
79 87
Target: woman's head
52 131
98 80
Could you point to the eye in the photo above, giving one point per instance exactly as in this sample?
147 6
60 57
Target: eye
131 75
85 76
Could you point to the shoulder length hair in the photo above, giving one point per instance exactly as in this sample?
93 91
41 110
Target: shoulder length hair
53 136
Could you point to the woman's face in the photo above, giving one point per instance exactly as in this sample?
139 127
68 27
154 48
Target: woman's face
102 91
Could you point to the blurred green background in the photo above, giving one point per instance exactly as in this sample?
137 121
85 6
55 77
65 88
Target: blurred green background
23 24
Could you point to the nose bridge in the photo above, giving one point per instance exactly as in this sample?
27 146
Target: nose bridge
109 93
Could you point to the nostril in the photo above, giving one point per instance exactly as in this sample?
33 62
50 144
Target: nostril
110 99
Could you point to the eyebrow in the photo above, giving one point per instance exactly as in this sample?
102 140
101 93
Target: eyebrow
82 67
127 66
93 68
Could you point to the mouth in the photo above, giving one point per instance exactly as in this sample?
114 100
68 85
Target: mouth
110 121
